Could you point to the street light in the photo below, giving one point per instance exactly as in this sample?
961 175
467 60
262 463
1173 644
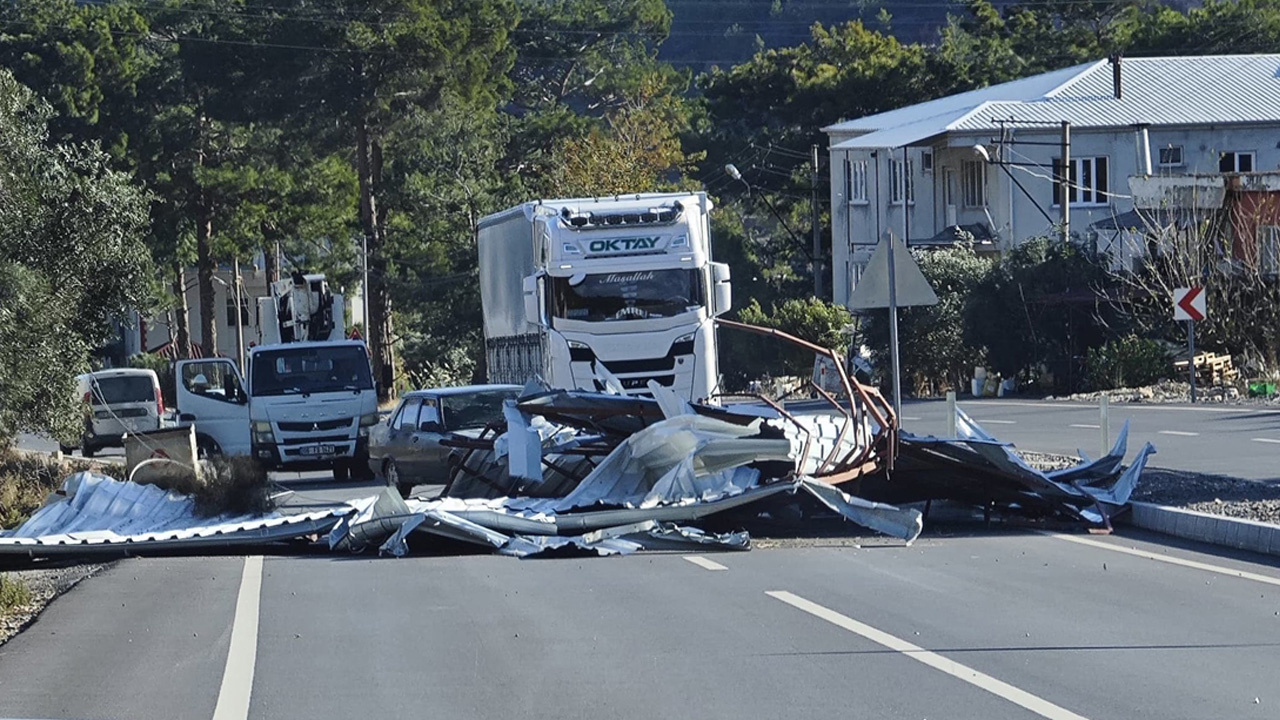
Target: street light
732 171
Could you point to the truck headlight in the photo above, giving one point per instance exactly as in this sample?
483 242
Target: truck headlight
686 338
261 426
369 419
262 433
575 345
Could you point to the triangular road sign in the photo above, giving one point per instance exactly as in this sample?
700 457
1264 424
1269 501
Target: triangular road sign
872 290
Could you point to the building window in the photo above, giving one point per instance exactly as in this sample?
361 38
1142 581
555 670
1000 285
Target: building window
901 183
1235 162
1269 250
1088 180
973 183
1171 156
926 161
855 180
231 310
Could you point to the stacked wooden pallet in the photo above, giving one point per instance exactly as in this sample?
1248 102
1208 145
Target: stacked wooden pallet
1211 368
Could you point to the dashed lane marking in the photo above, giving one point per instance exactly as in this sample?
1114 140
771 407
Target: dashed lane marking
1267 440
1083 425
996 422
1179 433
704 563
1002 689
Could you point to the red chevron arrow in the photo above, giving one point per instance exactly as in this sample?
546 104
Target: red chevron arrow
1187 303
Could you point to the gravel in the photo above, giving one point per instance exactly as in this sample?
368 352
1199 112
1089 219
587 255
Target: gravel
1173 391
1214 494
45 584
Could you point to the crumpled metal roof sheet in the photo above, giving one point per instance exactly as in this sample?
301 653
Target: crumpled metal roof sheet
101 512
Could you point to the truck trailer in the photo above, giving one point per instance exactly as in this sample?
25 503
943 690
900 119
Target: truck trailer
592 293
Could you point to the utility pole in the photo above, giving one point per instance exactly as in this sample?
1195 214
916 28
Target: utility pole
1064 182
237 292
817 241
364 286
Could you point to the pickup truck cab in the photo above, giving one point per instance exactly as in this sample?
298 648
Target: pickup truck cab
305 406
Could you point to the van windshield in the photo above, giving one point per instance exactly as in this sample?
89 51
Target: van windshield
123 389
310 370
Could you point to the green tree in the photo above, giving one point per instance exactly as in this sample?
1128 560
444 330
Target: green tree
375 61
71 263
746 357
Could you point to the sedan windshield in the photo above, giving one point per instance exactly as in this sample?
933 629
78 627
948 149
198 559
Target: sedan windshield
627 295
311 370
474 410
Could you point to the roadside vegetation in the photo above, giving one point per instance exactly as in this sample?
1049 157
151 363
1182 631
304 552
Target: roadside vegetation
27 480
146 143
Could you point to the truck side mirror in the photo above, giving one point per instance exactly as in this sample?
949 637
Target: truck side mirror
722 291
532 309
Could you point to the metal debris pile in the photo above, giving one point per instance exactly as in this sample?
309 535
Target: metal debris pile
569 471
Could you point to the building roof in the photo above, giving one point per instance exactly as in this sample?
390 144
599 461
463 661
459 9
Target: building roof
1194 90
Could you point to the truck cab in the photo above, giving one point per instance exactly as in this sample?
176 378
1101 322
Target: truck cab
621 288
305 406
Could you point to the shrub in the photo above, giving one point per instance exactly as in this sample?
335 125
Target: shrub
935 352
13 594
1127 362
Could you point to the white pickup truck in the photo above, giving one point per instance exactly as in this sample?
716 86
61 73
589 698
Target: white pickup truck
306 406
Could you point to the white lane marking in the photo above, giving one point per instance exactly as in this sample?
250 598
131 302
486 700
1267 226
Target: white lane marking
996 422
1219 569
237 679
904 417
1082 425
1179 433
704 563
1267 440
1035 704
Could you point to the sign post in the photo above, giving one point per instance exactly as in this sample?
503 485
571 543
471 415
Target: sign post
892 279
1188 305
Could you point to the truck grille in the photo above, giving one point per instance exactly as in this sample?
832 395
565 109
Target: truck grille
315 426
314 439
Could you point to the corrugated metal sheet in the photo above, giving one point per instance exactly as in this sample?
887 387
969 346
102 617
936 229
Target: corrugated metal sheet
101 512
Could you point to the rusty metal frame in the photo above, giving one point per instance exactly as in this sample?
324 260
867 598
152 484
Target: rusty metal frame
872 403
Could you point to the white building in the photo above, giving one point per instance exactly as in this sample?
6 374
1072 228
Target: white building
1141 116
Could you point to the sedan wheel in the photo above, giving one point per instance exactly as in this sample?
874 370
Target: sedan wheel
395 480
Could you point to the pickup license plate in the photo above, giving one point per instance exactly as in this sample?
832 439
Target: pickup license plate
316 450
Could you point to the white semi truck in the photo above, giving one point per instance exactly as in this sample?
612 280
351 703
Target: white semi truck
309 399
621 288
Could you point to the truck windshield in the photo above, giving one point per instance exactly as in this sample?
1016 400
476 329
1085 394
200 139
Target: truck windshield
311 370
627 295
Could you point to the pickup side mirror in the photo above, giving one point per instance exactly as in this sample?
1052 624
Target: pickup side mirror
431 426
722 291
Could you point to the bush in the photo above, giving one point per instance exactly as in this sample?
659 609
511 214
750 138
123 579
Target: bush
745 357
1127 362
13 594
27 479
934 351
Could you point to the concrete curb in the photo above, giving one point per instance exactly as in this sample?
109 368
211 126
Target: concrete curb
1229 532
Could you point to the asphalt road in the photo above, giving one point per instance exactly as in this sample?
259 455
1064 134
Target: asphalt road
1239 441
967 626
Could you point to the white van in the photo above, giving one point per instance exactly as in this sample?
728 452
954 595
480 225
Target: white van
120 401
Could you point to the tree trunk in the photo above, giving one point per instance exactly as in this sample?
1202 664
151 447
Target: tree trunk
205 269
181 327
379 332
